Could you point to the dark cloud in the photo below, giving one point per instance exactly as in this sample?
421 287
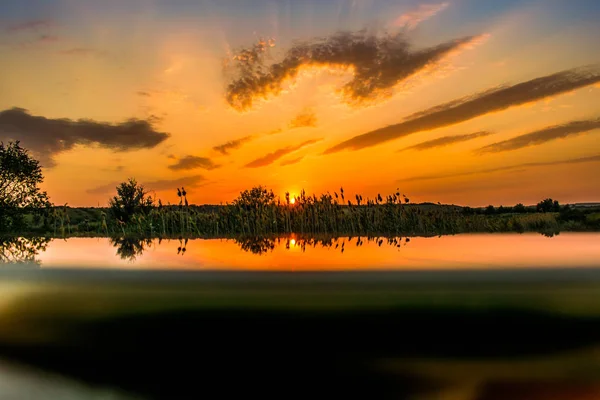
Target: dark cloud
159 186
306 119
447 140
477 105
225 148
515 168
46 137
543 135
378 63
292 161
143 94
277 154
193 162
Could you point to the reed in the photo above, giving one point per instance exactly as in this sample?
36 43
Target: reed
258 212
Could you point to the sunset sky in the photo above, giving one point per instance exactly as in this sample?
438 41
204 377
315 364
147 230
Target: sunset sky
470 102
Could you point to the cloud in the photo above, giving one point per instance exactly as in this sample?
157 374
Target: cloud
48 38
193 162
225 148
447 140
35 24
543 135
80 51
47 137
378 63
292 161
143 94
158 186
118 168
275 131
31 33
505 168
306 119
411 19
173 184
277 154
479 104
104 189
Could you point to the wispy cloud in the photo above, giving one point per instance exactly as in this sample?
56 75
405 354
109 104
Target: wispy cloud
479 104
305 119
81 51
173 184
193 162
35 24
227 147
158 186
379 62
514 167
28 34
47 137
411 19
291 161
48 38
446 141
277 154
542 136
275 131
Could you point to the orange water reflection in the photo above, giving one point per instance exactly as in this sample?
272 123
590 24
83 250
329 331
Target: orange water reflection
466 251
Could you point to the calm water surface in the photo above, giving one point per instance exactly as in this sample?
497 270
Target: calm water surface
553 337
446 252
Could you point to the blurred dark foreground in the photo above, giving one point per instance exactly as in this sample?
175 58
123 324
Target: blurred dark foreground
472 335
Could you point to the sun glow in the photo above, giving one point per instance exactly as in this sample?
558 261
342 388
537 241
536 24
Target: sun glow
292 200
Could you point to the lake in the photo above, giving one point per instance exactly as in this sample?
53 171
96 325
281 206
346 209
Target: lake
464 251
465 317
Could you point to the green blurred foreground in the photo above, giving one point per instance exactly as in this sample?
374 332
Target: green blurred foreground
481 335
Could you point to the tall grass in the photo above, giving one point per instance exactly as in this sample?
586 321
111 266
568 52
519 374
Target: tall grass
257 212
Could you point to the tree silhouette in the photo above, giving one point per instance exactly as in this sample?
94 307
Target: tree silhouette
20 177
131 199
519 208
490 210
548 205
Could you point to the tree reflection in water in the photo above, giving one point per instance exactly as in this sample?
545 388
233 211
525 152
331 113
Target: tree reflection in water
130 248
256 245
262 245
20 250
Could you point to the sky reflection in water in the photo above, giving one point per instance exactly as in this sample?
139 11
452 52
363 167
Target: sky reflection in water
295 253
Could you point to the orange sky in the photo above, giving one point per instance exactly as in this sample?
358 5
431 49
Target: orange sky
310 114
